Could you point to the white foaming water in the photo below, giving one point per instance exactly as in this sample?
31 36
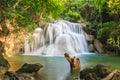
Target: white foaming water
56 39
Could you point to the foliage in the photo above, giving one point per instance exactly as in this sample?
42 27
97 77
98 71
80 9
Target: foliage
109 34
99 4
72 10
93 17
72 16
114 38
81 11
42 8
114 6
28 13
107 28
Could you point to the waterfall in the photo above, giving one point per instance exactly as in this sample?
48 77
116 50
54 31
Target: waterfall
56 39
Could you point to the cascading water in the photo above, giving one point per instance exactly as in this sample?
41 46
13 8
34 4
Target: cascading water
56 39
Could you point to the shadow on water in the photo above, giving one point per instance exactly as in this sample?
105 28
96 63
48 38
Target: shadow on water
57 68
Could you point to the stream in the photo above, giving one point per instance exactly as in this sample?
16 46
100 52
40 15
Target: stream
57 67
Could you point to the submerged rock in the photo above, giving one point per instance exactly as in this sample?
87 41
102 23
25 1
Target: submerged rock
29 68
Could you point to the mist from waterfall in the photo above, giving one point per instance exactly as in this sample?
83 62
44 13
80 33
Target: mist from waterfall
56 39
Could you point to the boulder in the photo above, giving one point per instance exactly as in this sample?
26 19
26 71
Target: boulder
98 46
94 44
9 75
91 48
29 68
97 72
102 70
91 76
74 63
26 72
13 76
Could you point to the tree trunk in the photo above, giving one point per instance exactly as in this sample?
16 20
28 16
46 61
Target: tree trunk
74 63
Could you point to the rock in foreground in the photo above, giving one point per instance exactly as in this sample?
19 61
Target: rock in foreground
29 68
26 72
100 72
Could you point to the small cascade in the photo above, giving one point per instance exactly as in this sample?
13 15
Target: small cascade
56 39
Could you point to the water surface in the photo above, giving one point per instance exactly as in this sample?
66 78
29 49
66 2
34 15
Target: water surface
57 67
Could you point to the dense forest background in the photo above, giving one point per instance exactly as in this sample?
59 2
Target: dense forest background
18 17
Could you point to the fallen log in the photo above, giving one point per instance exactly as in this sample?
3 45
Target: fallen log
74 62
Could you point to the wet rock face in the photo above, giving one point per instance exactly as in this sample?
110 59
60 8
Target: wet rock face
95 73
29 68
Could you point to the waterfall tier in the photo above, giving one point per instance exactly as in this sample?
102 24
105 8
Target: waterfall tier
56 39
